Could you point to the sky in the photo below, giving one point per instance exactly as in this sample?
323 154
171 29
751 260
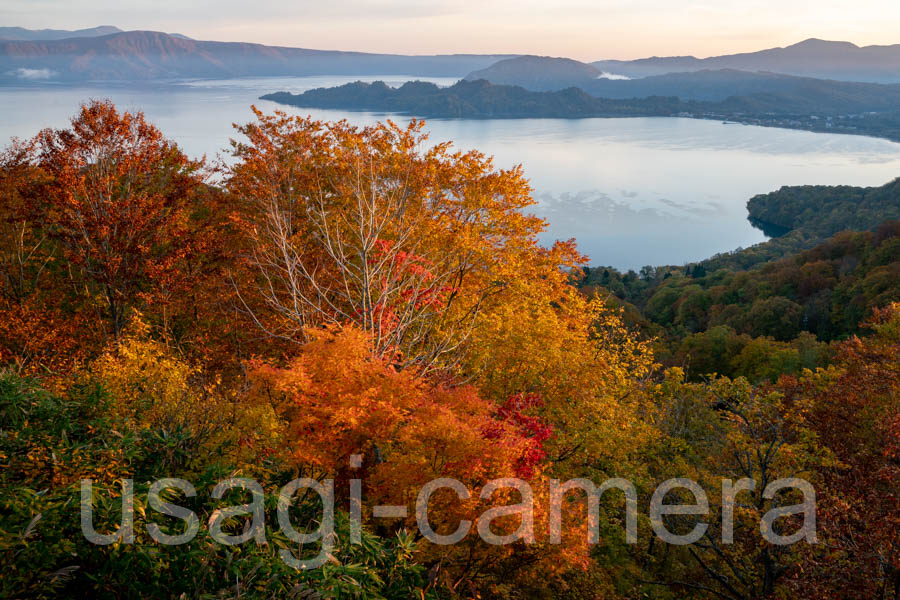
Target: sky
580 29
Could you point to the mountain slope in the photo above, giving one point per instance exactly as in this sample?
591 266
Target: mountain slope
809 58
538 73
144 55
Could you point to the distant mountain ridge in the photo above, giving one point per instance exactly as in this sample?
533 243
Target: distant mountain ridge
542 74
817 58
720 85
149 55
107 53
22 34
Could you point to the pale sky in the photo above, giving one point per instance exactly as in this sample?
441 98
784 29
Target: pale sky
581 29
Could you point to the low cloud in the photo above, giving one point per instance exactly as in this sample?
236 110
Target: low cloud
32 74
606 75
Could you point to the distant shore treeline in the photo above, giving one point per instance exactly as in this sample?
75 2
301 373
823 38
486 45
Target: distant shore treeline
815 108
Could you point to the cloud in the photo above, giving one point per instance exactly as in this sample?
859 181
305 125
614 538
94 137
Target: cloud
33 74
615 76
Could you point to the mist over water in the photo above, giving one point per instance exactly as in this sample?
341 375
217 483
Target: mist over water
632 191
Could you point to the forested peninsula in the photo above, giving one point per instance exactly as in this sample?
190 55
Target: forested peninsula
814 109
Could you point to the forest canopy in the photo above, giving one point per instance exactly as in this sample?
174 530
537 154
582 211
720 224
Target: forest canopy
356 304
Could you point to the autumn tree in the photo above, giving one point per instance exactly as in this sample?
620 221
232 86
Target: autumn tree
855 411
119 201
37 330
372 227
336 399
24 253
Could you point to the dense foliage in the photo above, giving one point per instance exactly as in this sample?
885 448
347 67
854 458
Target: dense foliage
826 210
760 323
352 305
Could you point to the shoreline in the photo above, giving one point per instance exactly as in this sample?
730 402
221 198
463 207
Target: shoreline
774 122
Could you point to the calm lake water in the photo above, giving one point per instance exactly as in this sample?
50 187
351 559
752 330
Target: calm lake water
633 192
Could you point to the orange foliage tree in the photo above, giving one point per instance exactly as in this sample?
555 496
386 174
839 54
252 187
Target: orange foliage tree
36 330
369 226
432 255
336 399
98 219
119 202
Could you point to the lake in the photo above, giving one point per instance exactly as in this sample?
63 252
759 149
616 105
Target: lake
633 192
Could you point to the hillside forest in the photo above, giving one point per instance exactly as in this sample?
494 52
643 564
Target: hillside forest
332 294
